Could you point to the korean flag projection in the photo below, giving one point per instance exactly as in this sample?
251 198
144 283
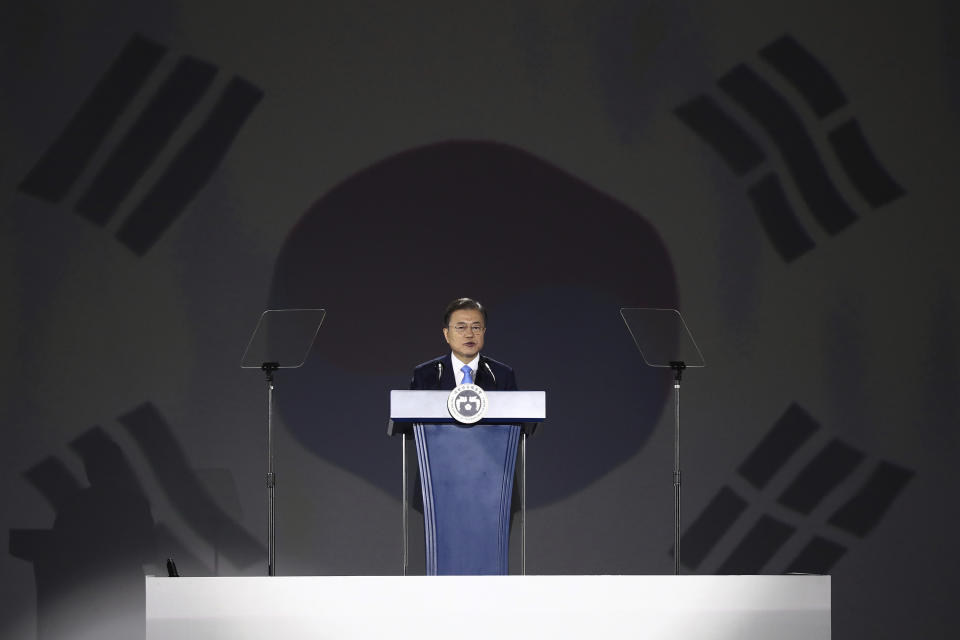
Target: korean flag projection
553 258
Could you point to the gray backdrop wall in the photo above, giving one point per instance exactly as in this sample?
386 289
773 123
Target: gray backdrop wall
782 172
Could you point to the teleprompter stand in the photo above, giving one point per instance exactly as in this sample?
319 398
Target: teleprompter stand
664 341
281 340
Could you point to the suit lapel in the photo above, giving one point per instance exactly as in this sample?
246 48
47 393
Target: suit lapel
483 378
447 381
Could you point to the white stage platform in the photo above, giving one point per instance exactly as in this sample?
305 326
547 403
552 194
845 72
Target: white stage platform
395 607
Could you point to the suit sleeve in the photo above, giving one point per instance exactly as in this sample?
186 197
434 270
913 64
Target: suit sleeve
424 378
415 382
511 382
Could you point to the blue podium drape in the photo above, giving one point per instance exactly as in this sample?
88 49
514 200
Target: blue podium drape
466 474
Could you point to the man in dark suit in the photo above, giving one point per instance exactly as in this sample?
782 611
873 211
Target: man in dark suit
464 329
469 504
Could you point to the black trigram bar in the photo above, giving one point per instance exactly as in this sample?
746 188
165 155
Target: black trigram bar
191 168
789 433
53 480
186 492
806 74
66 158
131 158
828 469
757 547
705 532
866 508
105 462
723 133
777 218
818 556
862 167
786 129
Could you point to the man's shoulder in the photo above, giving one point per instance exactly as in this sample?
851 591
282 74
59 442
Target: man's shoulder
431 363
496 364
504 379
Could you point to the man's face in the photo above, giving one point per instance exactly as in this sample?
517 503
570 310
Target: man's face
464 334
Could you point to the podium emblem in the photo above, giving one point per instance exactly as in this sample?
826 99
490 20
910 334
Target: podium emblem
467 403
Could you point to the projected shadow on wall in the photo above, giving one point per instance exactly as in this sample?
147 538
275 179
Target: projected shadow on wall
553 258
89 565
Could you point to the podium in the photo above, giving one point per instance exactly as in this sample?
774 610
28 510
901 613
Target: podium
466 475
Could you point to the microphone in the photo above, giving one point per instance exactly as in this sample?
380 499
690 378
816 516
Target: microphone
487 365
439 373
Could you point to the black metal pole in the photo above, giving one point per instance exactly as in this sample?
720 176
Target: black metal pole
678 367
523 501
268 369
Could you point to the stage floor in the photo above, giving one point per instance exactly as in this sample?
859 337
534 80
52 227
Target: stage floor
707 607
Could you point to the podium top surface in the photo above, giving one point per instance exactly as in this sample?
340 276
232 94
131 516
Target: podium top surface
504 406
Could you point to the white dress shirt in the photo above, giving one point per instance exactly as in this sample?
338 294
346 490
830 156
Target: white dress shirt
456 364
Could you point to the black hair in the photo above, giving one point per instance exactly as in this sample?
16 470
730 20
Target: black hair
463 303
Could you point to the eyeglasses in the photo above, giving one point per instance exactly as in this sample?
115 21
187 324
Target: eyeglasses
461 328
